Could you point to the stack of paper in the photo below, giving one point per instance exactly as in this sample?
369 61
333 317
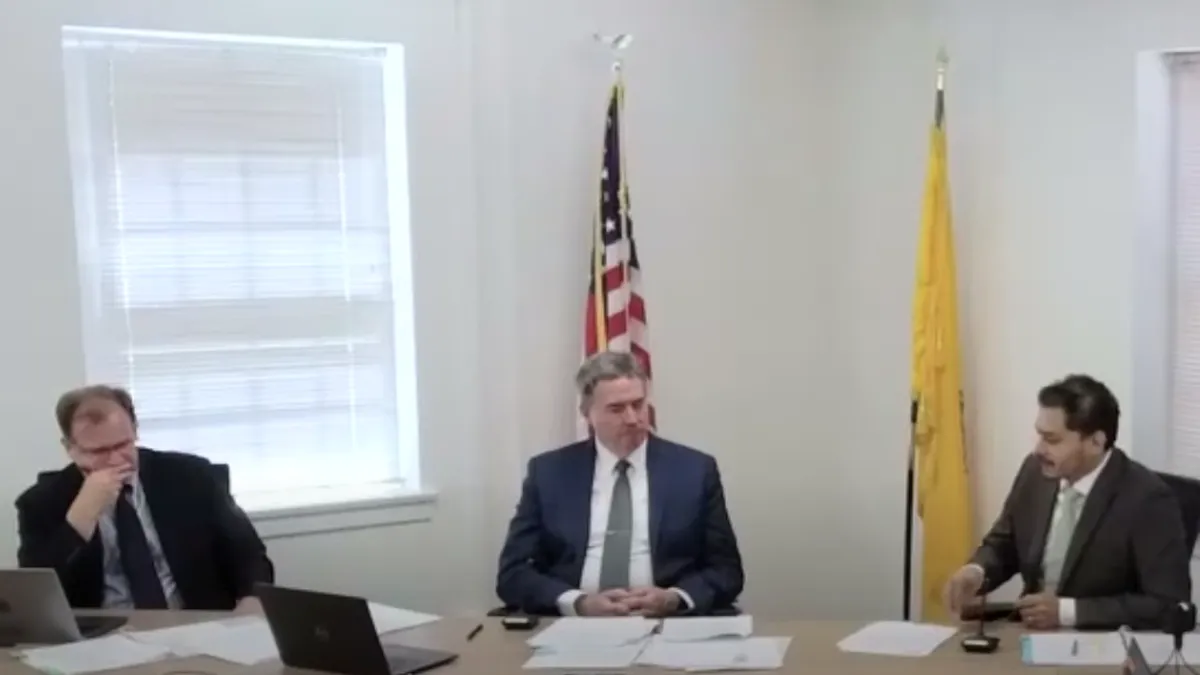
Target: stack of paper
89 656
897 638
754 653
1102 649
707 628
713 643
248 640
578 642
1074 649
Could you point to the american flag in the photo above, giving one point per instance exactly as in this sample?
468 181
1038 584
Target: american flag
616 312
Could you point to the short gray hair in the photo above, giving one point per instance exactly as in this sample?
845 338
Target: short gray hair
603 367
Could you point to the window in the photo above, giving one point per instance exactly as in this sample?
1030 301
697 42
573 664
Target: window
242 219
1184 76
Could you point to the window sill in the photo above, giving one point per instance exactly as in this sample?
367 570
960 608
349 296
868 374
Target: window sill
307 512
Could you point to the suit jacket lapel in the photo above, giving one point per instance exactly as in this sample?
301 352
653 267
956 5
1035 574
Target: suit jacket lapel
656 477
1094 508
1043 508
577 487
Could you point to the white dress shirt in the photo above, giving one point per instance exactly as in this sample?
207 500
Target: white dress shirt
641 567
1066 606
117 594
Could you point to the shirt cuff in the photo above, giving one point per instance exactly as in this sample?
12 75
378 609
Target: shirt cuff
688 603
566 602
1066 612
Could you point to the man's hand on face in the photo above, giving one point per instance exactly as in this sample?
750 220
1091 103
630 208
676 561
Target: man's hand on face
1039 611
100 491
102 487
652 602
605 603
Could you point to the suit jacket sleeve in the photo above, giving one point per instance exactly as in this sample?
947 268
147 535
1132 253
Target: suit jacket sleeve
46 540
719 578
520 581
998 554
1161 560
240 552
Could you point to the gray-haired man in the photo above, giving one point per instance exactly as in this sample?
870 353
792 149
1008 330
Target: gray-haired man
622 523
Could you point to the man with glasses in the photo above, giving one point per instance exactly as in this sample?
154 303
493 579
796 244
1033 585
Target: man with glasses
127 527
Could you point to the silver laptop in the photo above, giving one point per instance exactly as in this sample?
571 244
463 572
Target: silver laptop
34 610
1135 659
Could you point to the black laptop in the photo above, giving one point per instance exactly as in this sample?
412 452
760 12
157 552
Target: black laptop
335 633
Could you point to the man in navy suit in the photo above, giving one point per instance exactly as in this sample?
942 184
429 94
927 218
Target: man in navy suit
624 523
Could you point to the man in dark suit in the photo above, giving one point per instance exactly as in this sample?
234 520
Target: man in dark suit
626 523
128 527
1097 537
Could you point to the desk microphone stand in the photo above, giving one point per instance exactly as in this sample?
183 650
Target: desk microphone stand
1180 619
980 642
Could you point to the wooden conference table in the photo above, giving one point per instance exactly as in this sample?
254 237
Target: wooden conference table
495 651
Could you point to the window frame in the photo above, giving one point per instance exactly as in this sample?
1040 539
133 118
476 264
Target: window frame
309 510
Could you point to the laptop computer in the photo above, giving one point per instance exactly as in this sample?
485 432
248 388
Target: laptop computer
1135 660
335 633
34 610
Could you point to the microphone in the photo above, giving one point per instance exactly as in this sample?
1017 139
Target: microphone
980 642
1180 619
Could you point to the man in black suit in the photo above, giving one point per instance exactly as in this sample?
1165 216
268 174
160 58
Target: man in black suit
624 523
133 528
1097 537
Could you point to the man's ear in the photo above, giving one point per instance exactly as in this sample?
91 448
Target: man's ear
66 443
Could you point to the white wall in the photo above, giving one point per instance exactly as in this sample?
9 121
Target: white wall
777 150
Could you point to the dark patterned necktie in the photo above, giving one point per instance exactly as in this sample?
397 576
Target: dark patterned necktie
136 558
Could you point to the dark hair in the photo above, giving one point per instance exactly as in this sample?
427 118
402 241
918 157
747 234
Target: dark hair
1086 403
69 404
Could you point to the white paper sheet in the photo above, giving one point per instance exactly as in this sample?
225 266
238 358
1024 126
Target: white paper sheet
707 628
390 619
1102 649
897 638
248 641
756 653
592 658
89 656
573 632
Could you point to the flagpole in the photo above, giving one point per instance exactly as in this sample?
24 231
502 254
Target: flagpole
616 45
943 62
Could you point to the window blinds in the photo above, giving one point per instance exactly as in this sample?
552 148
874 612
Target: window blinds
1185 372
235 251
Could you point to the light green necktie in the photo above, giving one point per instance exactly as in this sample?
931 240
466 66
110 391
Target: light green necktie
1058 540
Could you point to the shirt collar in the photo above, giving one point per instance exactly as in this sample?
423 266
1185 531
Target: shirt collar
606 460
1085 484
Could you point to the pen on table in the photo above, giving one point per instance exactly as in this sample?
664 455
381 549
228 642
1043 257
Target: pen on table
1075 648
474 631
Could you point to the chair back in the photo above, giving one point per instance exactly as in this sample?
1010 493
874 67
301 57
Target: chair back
1187 491
221 472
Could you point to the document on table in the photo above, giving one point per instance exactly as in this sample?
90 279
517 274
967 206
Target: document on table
579 657
1102 649
897 638
755 653
89 656
695 629
1074 649
247 640
573 632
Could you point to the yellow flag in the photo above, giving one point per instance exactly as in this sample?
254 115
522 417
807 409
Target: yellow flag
942 494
